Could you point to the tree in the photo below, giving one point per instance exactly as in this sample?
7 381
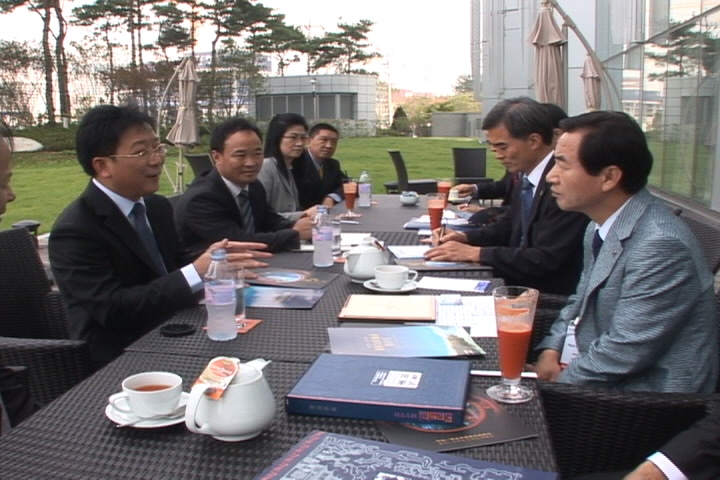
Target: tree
230 18
19 62
464 84
341 50
110 16
172 31
685 51
400 123
279 39
44 8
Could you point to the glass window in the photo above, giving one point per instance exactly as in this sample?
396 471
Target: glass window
347 106
326 106
295 104
264 107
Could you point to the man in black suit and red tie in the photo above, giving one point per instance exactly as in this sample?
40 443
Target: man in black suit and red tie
115 255
317 175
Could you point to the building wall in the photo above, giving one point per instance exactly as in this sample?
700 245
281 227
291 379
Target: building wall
346 99
676 104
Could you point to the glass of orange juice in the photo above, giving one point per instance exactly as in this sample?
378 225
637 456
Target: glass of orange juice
514 314
443 186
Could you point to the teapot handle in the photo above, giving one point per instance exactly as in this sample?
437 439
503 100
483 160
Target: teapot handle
197 393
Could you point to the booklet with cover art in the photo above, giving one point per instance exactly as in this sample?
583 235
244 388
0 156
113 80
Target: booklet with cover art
322 455
288 277
486 423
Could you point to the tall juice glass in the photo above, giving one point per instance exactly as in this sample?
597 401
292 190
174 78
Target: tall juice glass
436 205
514 314
443 187
350 192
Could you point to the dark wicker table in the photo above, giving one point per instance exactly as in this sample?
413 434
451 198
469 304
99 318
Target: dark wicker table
387 215
284 334
72 439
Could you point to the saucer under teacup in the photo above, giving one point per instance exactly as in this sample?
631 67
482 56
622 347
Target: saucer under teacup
116 416
409 286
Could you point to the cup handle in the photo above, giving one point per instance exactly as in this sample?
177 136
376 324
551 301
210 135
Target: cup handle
412 275
114 402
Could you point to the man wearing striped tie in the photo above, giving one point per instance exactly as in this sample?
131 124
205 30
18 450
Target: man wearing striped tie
230 202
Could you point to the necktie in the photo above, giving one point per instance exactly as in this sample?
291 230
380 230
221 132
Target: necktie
526 198
139 222
596 244
246 212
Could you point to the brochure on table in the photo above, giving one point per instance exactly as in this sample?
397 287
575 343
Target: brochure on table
347 241
486 423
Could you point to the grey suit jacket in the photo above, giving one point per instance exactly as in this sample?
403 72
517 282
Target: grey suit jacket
646 307
282 193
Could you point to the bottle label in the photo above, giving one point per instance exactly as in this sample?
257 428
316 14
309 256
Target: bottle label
323 234
220 292
364 188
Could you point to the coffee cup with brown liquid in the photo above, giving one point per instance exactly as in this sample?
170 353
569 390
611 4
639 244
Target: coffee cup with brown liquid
149 394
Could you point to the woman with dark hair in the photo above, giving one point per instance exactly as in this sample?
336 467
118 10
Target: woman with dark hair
285 141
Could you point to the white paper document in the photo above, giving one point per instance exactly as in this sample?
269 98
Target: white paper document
348 241
452 284
409 251
476 312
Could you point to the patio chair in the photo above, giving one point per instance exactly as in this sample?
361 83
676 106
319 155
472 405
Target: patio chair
199 162
601 430
470 165
403 183
30 309
707 231
53 366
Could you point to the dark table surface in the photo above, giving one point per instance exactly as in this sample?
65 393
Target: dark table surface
72 438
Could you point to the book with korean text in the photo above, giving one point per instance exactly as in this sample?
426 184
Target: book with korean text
383 388
322 455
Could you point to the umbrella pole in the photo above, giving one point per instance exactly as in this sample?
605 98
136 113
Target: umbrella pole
180 167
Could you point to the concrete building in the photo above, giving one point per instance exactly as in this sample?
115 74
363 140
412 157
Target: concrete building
346 101
659 60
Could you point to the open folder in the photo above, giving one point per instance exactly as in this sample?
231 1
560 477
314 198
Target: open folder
389 308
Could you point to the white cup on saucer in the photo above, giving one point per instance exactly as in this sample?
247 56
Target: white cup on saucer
149 394
393 277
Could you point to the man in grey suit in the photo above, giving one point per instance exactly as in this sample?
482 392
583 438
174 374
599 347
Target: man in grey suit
643 315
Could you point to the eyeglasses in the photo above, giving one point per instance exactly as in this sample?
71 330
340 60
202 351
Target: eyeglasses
296 137
160 151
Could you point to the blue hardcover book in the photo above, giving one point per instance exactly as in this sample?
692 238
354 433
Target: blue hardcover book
383 388
340 457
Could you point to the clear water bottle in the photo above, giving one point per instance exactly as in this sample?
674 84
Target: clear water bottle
220 298
322 239
364 190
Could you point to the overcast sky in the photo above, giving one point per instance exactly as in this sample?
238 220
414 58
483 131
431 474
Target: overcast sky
426 46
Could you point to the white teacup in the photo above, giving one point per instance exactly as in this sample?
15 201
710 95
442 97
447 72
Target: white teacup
149 394
393 277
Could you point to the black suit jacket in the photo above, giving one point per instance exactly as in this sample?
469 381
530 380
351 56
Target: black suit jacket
113 290
207 212
313 189
502 188
551 258
696 451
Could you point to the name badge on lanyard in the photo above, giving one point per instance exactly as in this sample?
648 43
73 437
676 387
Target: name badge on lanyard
570 350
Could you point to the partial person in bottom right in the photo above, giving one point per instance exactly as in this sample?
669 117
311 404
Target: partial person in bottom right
643 314
691 455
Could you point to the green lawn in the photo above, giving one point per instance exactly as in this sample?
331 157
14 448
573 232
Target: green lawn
46 182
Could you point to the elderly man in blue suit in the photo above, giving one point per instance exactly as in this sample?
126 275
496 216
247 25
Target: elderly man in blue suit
643 315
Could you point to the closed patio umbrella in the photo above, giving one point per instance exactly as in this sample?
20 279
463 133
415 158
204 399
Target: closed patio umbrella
549 72
591 84
185 131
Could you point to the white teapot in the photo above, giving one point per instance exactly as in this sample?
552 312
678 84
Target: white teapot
246 408
360 262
